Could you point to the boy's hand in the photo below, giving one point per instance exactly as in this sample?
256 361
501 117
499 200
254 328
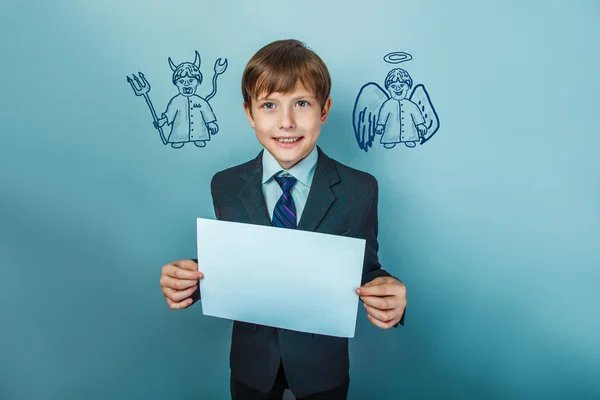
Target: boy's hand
384 299
422 129
179 280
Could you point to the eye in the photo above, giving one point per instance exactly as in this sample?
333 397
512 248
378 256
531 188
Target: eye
302 103
268 106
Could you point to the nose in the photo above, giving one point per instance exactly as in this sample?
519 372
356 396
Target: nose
286 120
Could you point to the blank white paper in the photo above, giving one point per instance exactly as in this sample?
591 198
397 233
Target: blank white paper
285 278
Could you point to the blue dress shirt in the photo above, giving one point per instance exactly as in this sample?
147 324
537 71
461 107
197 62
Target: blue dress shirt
304 172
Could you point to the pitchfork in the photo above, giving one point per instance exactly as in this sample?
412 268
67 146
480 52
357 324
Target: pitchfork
141 87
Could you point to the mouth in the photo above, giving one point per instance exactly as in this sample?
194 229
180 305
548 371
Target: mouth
288 141
187 90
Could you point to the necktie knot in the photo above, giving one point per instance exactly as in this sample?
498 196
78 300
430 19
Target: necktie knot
286 182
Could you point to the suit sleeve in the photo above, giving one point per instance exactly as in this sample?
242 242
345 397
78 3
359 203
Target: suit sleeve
196 295
369 231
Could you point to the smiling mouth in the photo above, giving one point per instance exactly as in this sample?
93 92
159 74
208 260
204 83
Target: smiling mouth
288 140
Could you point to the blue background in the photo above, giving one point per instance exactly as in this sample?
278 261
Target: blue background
493 224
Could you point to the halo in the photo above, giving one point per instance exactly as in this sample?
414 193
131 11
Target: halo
397 57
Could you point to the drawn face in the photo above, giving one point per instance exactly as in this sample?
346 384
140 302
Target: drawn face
187 86
398 90
288 124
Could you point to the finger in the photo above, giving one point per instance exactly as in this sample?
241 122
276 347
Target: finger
179 295
189 265
178 305
386 289
177 284
382 303
380 315
382 325
173 271
380 280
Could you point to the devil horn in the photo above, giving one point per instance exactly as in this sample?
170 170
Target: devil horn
197 60
172 65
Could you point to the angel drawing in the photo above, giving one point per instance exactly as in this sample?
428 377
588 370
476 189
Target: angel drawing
406 115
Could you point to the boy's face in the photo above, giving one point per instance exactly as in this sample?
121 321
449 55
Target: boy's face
288 124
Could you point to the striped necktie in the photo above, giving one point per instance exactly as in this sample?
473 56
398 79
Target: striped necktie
284 215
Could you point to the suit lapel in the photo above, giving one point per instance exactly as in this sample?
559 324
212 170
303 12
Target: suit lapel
320 197
251 195
319 201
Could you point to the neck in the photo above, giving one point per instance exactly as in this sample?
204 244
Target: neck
290 165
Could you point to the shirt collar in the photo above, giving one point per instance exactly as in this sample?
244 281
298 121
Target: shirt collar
303 171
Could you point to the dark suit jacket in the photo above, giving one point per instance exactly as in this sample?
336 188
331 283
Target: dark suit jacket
342 201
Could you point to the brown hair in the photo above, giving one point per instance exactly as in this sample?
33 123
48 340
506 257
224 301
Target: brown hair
278 67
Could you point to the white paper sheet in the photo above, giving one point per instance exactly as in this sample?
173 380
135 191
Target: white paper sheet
286 278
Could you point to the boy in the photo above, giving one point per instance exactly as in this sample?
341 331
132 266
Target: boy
292 184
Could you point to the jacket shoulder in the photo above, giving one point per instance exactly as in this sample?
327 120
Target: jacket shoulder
231 176
355 177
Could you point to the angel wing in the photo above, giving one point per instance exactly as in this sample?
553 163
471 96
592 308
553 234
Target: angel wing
364 116
420 97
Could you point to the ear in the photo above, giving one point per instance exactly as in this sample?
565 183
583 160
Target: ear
248 110
325 110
